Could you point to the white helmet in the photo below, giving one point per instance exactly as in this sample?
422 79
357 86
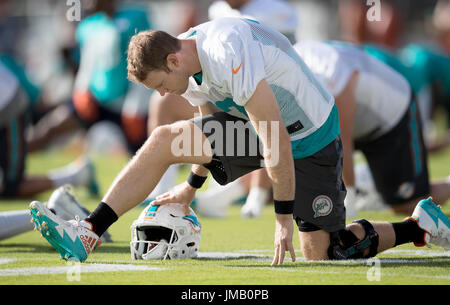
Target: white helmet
163 231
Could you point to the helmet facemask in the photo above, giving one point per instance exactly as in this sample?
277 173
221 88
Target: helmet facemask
152 242
168 233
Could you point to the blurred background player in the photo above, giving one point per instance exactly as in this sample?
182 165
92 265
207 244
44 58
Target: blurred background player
101 91
14 120
423 61
22 102
62 203
101 85
425 64
379 116
280 15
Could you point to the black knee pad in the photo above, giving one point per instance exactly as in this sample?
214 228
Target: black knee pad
345 245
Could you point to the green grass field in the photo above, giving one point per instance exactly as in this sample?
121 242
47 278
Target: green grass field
233 251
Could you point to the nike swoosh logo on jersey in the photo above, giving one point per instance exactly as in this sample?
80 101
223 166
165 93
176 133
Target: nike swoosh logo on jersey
237 69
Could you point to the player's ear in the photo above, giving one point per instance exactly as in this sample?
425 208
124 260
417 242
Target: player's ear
172 61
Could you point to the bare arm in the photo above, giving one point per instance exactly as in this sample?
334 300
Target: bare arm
262 108
346 104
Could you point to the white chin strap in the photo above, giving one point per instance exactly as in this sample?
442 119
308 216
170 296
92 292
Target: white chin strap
160 251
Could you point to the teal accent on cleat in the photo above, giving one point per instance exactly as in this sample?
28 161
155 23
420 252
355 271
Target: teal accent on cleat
69 238
434 211
434 222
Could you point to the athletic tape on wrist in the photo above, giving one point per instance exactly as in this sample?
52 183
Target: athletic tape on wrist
284 206
195 180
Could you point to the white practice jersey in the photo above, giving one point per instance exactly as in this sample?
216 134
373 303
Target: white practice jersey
236 54
382 94
278 14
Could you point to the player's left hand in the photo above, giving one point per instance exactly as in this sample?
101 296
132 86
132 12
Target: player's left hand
284 229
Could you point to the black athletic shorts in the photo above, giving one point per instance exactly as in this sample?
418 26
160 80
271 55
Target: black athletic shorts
319 193
398 160
12 154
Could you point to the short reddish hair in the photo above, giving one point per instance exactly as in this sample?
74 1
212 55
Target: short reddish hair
147 51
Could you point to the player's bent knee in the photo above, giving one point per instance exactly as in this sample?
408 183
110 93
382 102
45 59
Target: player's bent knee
182 142
314 245
161 135
345 244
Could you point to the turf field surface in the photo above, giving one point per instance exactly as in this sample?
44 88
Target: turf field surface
233 251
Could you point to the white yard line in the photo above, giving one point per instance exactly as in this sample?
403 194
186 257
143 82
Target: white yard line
260 255
76 268
421 253
265 253
382 274
7 260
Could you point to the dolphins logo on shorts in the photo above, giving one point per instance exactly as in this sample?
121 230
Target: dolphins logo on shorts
405 190
322 206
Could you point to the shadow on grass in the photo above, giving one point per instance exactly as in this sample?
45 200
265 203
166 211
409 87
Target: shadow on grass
113 248
45 248
25 248
441 262
235 258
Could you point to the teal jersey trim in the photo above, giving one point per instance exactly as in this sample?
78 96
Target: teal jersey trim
198 78
415 140
14 152
304 147
192 34
31 89
252 20
428 64
416 75
319 139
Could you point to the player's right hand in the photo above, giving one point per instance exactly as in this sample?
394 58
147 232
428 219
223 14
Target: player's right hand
182 193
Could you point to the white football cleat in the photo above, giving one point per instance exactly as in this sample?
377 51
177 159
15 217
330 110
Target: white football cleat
255 203
87 177
434 222
64 203
72 239
216 209
350 202
79 173
252 209
367 198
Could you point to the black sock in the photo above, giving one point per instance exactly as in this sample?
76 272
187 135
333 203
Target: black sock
408 231
102 217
